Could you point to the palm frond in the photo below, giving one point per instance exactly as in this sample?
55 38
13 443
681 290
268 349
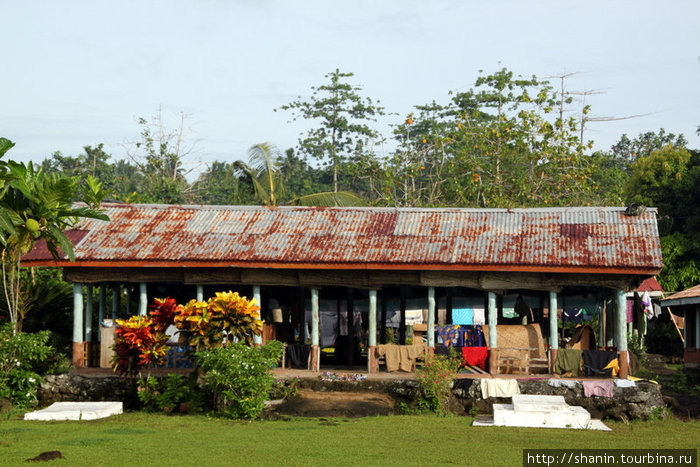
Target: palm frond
329 199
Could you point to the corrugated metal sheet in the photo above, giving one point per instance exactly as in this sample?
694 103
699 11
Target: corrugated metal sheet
547 237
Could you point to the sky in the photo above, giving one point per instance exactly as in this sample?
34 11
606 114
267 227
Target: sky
77 73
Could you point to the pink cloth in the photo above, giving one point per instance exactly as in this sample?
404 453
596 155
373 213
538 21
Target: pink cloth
630 311
598 388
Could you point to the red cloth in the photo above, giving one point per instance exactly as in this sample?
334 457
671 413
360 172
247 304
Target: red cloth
475 356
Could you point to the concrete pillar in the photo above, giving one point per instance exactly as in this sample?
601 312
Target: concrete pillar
621 332
100 311
88 313
257 339
553 327
372 344
78 340
200 293
315 332
493 333
143 299
431 319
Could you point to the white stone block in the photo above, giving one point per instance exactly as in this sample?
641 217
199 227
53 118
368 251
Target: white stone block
76 411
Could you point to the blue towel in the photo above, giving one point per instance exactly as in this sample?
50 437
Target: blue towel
463 316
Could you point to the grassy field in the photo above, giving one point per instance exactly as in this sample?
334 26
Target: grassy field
148 439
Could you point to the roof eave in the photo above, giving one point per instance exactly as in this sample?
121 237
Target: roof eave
647 271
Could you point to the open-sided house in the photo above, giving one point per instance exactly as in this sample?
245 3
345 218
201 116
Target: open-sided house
687 303
394 268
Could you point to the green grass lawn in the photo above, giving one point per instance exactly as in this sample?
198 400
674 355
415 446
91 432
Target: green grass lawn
146 439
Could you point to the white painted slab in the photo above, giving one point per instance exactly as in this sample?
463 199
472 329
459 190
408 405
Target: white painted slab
537 403
76 411
485 420
540 411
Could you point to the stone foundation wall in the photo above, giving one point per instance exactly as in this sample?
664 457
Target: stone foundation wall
69 387
639 402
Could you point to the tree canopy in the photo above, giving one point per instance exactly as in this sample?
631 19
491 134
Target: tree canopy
508 141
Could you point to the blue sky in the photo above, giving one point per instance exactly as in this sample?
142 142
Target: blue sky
79 73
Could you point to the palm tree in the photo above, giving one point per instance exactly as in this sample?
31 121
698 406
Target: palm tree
35 205
263 169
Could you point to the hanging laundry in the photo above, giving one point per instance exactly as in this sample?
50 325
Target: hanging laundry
600 362
492 387
630 311
479 316
523 310
588 315
463 316
448 334
509 312
598 388
625 383
474 336
562 383
657 310
646 303
568 362
573 315
298 355
475 356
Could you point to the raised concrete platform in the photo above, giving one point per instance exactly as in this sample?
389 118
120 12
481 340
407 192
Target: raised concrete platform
535 411
76 411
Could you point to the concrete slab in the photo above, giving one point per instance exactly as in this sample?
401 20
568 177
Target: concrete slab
485 420
76 411
540 411
537 403
561 417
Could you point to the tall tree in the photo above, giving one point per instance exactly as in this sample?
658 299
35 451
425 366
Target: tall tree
160 156
35 205
668 178
504 143
342 116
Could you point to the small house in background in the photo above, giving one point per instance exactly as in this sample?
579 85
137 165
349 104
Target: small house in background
687 303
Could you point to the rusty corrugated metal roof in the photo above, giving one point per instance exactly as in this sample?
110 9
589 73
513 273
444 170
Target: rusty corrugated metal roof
536 239
689 296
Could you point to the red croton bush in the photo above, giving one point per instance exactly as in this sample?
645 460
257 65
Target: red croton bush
140 341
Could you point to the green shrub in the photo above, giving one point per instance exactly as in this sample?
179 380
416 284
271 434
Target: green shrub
436 377
238 377
635 344
20 356
175 393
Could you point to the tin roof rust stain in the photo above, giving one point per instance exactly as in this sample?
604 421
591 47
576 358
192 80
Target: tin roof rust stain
441 238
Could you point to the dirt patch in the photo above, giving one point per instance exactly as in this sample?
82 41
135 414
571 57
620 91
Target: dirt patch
308 403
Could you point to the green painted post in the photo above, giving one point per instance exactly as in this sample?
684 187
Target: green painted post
78 313
553 327
493 320
88 314
372 318
431 317
143 299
